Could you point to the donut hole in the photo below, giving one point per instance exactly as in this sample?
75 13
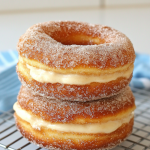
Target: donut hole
77 39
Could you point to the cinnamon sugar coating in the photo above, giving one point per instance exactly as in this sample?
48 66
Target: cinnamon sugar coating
52 139
69 44
103 110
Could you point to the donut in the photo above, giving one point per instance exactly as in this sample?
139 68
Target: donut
57 124
75 61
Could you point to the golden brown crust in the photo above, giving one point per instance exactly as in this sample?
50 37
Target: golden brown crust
52 139
112 108
77 70
88 92
70 44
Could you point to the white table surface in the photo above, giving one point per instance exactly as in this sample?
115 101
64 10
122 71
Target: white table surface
132 21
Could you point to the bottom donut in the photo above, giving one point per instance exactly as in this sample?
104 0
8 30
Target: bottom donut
53 139
54 124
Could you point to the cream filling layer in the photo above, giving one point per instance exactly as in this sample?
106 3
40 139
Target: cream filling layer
37 123
76 79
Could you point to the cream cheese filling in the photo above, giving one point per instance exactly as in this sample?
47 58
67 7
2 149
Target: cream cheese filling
76 79
37 123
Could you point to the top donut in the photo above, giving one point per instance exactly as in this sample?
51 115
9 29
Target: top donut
75 61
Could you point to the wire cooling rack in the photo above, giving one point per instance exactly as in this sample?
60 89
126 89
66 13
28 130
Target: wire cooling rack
11 139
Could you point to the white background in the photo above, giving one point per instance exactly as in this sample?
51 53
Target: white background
131 17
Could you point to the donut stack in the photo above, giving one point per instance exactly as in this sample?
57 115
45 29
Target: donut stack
75 92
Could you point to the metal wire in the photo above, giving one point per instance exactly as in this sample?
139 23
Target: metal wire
11 139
